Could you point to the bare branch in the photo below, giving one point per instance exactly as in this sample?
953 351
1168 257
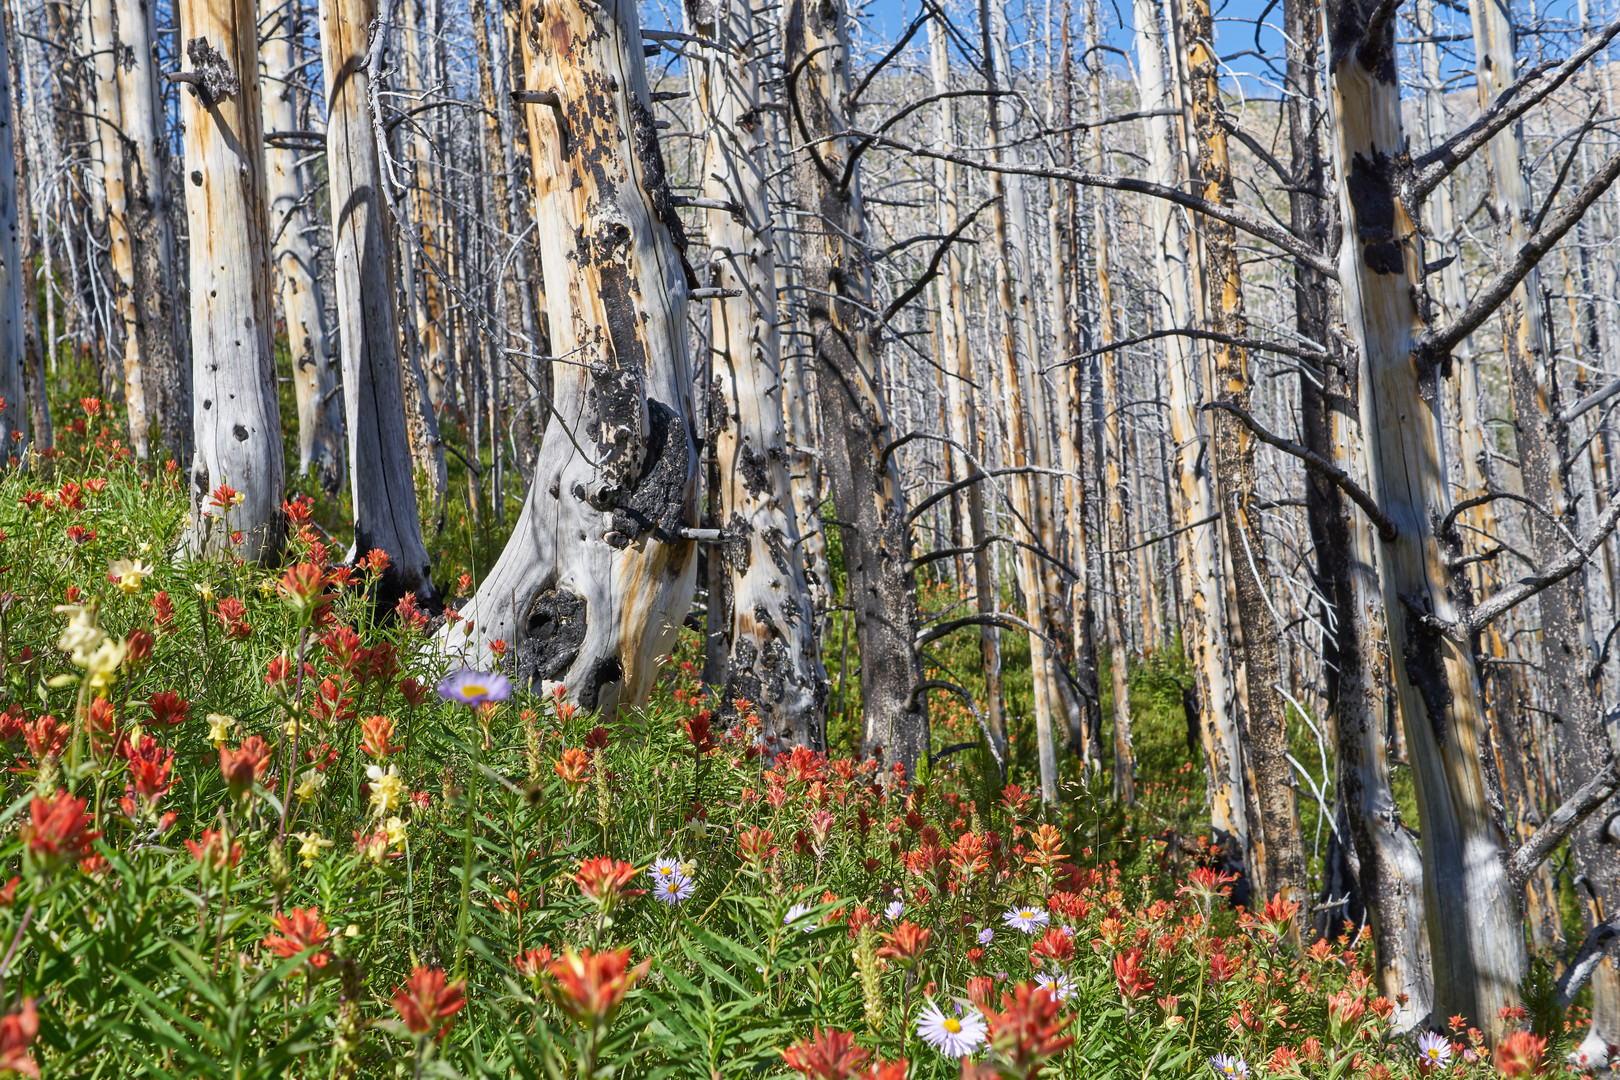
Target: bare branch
1575 809
932 271
1437 345
1315 355
1513 103
1565 565
1587 958
1387 532
1238 219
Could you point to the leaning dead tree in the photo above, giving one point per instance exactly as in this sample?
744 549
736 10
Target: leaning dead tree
236 418
12 279
593 586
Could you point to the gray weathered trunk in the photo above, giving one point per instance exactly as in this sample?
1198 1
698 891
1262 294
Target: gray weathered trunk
856 432
236 421
13 276
1475 935
773 657
381 479
314 370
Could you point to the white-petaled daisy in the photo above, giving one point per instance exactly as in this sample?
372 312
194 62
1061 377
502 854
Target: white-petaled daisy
951 1035
664 868
1061 987
1433 1049
894 910
986 936
1027 919
797 912
673 890
1230 1067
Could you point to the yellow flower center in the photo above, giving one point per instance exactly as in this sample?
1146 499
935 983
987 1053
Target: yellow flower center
473 690
1434 1051
953 1025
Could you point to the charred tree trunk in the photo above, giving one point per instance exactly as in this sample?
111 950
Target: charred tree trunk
773 657
381 480
594 584
1542 440
13 274
237 421
314 375
1355 657
856 449
1275 836
1475 934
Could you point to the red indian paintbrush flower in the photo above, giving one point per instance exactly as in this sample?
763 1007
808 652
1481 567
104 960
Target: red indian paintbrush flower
210 851
57 830
1027 1031
247 763
17 1032
590 986
299 929
906 943
427 1004
1133 981
1520 1053
378 736
603 881
169 709
828 1054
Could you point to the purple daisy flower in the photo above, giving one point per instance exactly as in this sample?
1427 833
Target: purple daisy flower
468 687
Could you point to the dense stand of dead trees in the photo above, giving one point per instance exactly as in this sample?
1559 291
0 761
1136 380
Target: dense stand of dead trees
1298 374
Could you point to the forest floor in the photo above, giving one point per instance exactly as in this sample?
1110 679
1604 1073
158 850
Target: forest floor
261 829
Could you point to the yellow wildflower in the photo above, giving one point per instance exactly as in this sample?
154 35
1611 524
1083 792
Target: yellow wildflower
309 848
102 665
81 634
395 828
129 574
309 784
387 789
219 727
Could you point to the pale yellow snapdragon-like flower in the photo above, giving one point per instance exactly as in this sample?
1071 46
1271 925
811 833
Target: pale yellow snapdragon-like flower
130 574
102 665
310 784
219 727
387 789
310 847
395 828
81 635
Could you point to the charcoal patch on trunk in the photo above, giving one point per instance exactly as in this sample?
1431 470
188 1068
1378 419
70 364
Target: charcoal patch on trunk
552 633
1424 656
657 502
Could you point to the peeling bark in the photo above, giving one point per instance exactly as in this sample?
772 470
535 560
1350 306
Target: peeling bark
165 375
593 586
236 421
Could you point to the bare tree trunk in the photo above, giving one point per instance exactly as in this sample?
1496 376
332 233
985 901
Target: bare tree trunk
13 274
850 387
314 375
1193 504
101 45
237 421
773 657
1275 836
1017 330
382 482
1475 934
959 393
14 269
596 579
1542 440
164 373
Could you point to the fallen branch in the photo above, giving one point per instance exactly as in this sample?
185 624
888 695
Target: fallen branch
1587 958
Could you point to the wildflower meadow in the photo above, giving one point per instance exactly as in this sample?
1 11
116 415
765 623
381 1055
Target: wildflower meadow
257 827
